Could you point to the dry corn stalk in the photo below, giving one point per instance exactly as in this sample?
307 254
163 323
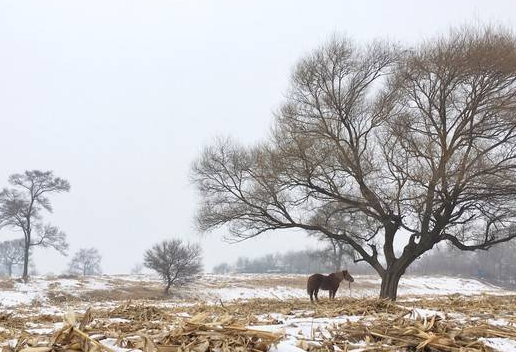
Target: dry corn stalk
385 326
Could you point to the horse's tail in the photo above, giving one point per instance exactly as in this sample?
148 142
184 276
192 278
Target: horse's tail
310 285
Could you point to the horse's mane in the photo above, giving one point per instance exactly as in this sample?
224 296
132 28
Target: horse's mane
339 275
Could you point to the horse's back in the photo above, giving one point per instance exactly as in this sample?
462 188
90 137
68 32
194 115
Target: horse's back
314 282
330 282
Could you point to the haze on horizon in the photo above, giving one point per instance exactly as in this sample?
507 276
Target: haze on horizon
119 97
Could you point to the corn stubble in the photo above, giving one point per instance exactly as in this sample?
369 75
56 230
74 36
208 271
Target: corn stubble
382 326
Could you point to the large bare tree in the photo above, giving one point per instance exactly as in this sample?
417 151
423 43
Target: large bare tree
21 208
418 144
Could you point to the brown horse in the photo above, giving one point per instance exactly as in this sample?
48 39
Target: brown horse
326 282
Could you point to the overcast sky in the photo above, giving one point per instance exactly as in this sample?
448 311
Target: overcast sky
119 97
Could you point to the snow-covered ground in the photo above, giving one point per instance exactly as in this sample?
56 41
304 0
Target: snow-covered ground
55 296
213 288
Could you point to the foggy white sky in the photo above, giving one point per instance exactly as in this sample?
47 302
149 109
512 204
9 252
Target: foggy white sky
119 97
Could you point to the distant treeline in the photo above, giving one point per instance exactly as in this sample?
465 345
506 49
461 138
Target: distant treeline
498 265
293 262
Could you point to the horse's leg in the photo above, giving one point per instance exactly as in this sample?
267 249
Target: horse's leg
316 293
311 296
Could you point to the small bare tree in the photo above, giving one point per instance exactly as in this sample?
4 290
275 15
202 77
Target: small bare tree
222 268
174 261
86 261
137 269
22 205
336 253
11 254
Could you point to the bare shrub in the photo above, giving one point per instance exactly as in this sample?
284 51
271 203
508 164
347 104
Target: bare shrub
175 262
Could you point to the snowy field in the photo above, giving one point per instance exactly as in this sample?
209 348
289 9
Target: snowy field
46 291
273 304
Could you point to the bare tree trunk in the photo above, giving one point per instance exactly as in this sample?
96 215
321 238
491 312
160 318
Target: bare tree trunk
167 288
25 275
10 269
390 281
392 275
334 255
340 254
338 263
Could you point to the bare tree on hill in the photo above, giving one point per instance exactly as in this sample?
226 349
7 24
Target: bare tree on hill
175 262
11 254
85 262
21 208
421 141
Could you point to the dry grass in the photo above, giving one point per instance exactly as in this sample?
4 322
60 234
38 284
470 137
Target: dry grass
7 285
120 290
135 292
247 310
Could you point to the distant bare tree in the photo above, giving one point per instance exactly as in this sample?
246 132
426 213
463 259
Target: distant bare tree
85 262
33 271
137 269
222 268
419 141
176 262
336 253
11 254
21 208
242 264
338 250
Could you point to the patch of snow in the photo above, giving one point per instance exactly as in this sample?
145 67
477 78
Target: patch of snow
500 344
420 313
306 328
286 346
111 343
41 331
498 322
22 297
430 285
119 320
235 293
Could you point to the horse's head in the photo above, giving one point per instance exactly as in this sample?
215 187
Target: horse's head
347 276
